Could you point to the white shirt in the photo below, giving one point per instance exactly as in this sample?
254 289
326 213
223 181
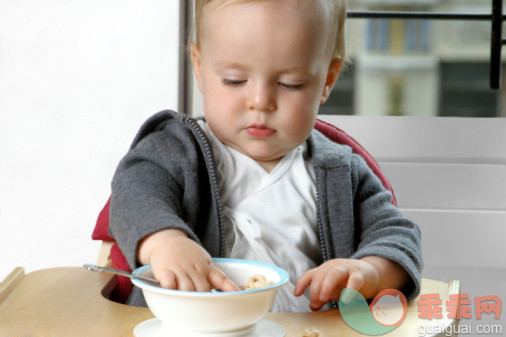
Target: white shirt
270 217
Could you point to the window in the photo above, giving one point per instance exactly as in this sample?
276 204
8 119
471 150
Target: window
417 67
464 90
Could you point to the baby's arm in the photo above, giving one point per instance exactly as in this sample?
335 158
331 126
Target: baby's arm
178 262
368 275
160 186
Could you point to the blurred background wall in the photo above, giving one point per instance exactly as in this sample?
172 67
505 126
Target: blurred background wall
77 78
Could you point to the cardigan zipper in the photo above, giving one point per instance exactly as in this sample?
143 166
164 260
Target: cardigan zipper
318 216
208 153
321 236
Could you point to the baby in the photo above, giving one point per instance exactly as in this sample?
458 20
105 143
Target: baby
254 180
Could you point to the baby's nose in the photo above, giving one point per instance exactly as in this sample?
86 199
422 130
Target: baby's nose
261 97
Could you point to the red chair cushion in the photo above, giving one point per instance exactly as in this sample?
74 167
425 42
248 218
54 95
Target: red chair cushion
101 231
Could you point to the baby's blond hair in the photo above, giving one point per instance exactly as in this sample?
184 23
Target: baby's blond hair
331 13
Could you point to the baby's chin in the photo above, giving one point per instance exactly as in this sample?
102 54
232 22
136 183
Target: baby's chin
262 152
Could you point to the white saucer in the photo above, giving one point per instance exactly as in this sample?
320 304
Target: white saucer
263 328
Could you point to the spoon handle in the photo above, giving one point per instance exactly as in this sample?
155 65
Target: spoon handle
120 272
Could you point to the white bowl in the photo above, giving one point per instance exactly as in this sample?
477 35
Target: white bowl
214 312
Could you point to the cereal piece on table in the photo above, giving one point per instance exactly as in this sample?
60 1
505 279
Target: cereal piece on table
311 333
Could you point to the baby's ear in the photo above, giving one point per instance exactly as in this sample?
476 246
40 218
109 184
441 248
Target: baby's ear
332 75
195 58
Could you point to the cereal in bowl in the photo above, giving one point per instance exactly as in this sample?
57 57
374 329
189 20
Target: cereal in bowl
255 282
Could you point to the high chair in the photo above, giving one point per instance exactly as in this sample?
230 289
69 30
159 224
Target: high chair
110 254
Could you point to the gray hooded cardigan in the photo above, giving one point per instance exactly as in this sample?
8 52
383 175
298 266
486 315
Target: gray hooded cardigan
168 179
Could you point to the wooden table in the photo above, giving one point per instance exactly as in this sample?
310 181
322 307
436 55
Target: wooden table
72 302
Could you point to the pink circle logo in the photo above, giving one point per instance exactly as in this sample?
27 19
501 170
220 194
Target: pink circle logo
389 307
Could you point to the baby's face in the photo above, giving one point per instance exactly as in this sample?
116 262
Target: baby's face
262 68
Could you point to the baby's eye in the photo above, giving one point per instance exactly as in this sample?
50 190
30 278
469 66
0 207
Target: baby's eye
292 86
233 83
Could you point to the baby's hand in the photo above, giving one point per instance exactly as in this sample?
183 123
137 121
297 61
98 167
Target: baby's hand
328 280
180 263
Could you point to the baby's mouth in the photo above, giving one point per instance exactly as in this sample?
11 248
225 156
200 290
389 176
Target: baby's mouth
259 131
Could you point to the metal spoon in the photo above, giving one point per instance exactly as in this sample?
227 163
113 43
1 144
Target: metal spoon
93 267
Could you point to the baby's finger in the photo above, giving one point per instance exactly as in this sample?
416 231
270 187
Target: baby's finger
303 282
220 281
316 305
334 277
315 288
355 282
167 279
184 282
200 282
